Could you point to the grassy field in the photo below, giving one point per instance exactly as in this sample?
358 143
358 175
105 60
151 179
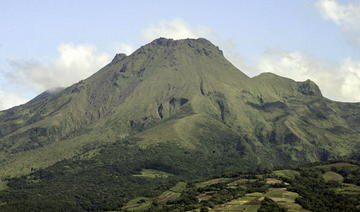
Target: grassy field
273 181
212 182
339 165
151 173
171 194
332 176
349 189
205 196
167 196
251 202
241 181
250 193
246 204
286 173
3 185
285 199
179 187
138 204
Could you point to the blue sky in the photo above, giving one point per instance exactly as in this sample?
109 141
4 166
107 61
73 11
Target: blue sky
46 44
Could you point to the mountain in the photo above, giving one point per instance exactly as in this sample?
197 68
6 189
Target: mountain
168 104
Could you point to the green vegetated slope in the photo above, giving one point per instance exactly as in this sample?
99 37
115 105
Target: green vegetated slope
173 106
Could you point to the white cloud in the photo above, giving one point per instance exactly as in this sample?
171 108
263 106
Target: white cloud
350 87
124 48
75 62
294 65
339 81
8 100
355 40
347 16
340 14
179 29
346 77
231 52
175 29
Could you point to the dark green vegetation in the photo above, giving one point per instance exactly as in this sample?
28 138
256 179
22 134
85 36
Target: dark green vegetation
266 191
108 179
171 111
268 205
262 190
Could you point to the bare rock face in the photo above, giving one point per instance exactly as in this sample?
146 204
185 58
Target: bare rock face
309 88
118 57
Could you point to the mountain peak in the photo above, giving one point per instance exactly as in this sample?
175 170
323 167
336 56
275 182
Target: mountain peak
310 88
118 57
199 44
169 41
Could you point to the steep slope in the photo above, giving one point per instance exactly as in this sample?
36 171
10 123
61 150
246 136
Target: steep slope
182 92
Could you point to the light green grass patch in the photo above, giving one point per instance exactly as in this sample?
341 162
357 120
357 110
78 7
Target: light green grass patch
282 193
286 173
151 173
167 196
252 208
332 176
212 182
254 194
249 204
248 198
179 187
3 185
172 194
241 181
285 199
337 165
349 189
276 192
138 204
272 181
205 196
90 154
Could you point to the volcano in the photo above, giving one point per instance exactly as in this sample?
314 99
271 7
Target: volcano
175 106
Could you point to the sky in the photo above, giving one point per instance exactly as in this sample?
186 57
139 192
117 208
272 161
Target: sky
46 44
